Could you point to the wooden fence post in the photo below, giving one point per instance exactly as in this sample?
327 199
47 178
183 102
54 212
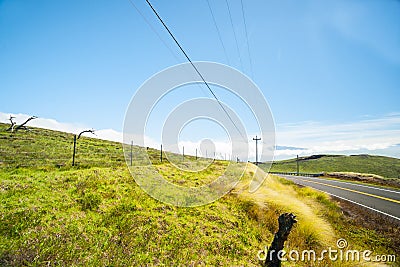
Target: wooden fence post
73 154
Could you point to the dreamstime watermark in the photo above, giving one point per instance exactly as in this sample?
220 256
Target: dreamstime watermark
339 253
154 90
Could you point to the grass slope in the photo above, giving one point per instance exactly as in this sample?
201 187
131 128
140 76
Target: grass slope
379 165
94 214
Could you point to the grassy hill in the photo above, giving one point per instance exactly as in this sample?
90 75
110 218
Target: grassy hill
39 148
379 165
94 214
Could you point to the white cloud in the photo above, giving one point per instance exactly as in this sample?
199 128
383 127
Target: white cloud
75 128
109 134
365 136
43 123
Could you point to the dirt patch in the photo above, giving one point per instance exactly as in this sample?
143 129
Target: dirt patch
367 178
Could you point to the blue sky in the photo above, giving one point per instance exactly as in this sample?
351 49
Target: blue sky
320 64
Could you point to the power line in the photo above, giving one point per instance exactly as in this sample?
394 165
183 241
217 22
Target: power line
154 30
159 37
195 68
218 31
247 40
234 34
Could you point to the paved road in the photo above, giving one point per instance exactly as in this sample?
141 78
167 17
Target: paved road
384 200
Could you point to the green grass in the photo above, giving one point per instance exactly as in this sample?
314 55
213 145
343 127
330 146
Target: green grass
379 165
99 216
95 214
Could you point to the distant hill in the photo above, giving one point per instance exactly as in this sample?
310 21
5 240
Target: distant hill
384 166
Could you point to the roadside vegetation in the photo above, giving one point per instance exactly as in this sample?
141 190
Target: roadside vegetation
53 214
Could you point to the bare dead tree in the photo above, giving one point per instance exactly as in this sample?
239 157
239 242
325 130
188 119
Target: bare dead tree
22 126
286 222
75 138
13 123
14 127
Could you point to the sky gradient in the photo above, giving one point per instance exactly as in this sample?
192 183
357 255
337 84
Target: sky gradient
328 69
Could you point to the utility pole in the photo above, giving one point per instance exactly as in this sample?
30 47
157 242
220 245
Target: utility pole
131 152
196 153
297 163
183 153
256 139
161 154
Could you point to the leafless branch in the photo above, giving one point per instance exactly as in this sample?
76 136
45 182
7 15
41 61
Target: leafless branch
86 131
23 124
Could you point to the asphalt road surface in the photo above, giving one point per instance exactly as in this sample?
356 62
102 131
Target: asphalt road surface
383 200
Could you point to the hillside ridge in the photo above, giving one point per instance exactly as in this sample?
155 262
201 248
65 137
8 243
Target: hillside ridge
386 167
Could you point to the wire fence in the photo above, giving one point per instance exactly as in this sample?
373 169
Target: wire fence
46 148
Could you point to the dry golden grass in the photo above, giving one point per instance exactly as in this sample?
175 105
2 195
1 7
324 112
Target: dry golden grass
313 230
283 197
